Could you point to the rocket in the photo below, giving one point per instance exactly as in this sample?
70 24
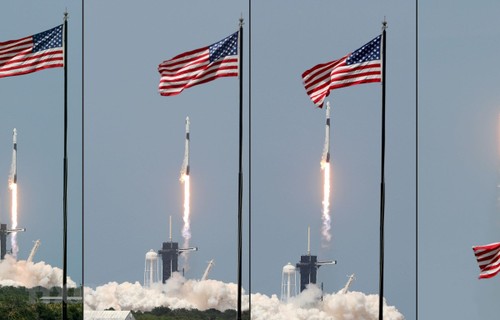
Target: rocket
185 163
13 168
326 150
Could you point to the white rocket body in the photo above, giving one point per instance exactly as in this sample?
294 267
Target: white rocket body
326 149
13 168
185 163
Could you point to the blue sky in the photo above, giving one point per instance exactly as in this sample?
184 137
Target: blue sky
458 157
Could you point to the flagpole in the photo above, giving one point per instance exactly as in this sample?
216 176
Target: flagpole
240 173
416 160
65 171
250 159
382 182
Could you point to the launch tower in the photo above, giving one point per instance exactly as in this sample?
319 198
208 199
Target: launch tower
3 238
170 256
309 265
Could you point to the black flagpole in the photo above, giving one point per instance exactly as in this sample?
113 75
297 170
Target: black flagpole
250 159
65 171
416 160
240 173
382 184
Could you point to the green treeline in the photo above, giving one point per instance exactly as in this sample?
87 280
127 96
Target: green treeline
164 313
23 304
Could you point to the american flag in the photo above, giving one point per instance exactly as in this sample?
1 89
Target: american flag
488 258
199 66
33 53
361 66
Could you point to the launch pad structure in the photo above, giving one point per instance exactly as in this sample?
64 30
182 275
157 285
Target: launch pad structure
170 256
309 265
3 238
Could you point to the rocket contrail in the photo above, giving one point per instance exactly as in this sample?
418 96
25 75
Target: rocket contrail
186 229
325 166
13 188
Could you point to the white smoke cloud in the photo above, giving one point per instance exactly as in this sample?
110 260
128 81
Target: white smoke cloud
176 293
28 274
206 294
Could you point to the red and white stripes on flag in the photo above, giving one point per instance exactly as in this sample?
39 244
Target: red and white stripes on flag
199 66
361 66
488 258
33 53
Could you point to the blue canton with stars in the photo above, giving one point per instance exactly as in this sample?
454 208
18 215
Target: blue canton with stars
368 52
48 39
225 47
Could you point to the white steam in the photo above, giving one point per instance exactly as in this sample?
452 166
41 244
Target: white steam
28 274
325 212
206 294
186 228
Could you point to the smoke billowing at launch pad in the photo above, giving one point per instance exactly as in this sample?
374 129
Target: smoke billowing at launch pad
179 292
24 273
173 290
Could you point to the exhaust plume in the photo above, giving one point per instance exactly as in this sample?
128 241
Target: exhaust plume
186 229
13 189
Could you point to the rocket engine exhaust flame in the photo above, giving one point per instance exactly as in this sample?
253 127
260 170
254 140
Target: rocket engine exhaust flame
325 166
13 239
13 189
326 226
186 229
